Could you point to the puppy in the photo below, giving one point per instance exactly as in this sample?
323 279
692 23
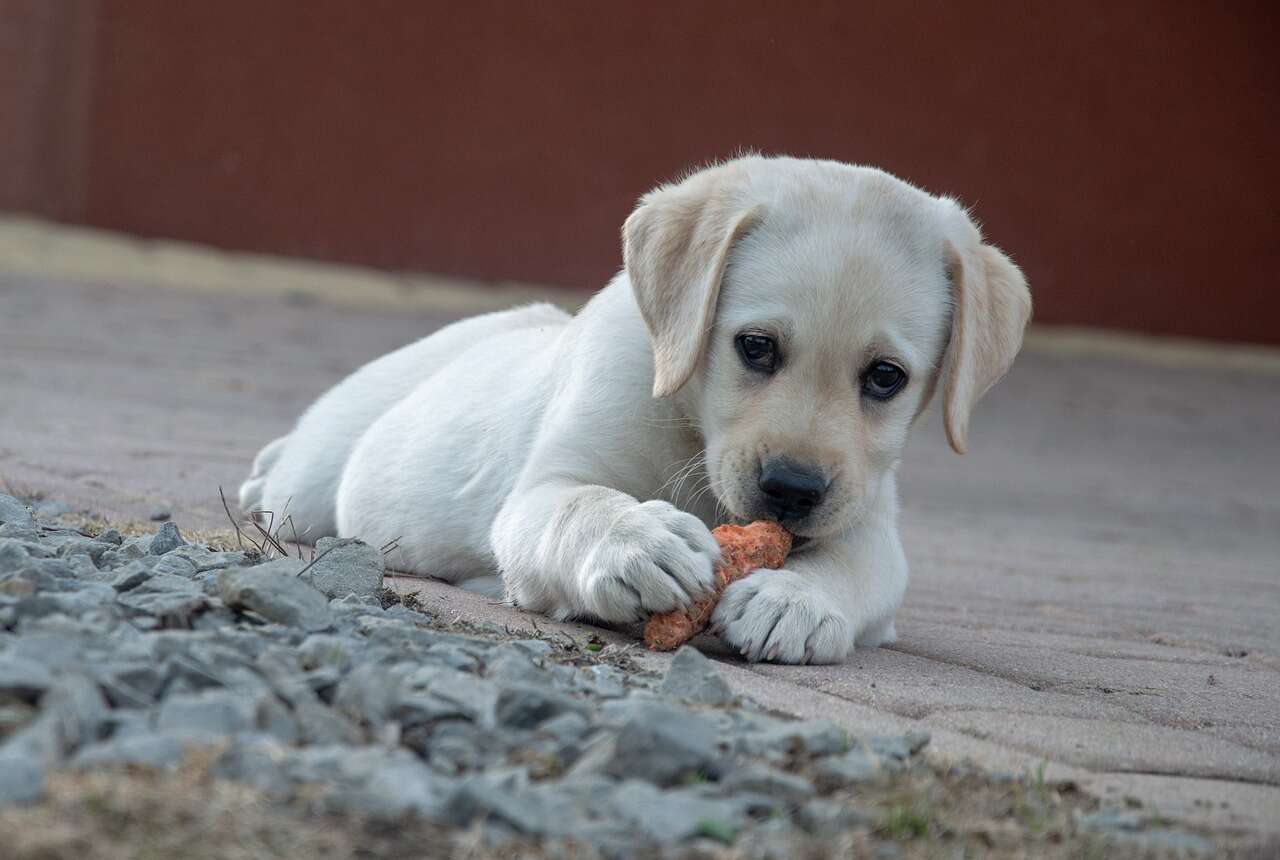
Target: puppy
777 329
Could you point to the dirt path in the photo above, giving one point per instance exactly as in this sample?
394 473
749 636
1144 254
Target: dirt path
1097 584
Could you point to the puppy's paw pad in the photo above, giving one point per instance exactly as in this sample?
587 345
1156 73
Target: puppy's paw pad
777 616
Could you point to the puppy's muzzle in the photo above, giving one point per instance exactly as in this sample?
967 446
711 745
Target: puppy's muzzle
791 492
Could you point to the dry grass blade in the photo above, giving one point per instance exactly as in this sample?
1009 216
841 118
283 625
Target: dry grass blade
313 561
235 525
296 542
266 533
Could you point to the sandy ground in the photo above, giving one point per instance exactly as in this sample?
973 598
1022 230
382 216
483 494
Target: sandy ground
1097 584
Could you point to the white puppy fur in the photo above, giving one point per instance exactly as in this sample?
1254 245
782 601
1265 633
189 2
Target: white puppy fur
736 369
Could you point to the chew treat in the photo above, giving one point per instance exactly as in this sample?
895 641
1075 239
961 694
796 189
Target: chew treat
742 550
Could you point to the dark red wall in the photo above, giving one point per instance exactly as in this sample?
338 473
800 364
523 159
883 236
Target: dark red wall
1124 154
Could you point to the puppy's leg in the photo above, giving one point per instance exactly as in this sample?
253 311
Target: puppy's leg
574 550
252 489
882 633
829 597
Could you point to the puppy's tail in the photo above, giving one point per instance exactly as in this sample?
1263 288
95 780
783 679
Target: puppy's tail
252 490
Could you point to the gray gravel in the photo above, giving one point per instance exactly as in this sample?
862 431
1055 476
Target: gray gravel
124 652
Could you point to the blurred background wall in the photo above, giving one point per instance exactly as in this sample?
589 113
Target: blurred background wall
1124 153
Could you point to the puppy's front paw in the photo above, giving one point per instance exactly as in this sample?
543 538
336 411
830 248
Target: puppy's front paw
775 615
654 558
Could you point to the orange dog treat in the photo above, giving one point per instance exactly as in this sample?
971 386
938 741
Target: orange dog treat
742 550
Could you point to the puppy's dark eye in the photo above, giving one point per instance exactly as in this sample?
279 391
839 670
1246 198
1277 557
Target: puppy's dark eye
758 352
883 380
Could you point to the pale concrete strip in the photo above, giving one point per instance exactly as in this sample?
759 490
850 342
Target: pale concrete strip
36 247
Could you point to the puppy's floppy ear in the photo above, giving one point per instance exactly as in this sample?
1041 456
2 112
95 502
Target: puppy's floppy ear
991 307
675 246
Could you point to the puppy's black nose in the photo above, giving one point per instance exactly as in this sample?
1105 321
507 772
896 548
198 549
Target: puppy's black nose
790 492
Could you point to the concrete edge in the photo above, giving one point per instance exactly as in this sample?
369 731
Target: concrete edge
37 247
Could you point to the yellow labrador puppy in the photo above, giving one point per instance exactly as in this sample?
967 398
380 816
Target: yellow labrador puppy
779 325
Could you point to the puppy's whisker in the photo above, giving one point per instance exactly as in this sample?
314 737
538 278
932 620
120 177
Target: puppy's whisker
704 488
671 422
699 463
682 474
680 468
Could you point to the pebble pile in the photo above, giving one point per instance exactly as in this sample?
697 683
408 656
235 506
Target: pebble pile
302 681
133 651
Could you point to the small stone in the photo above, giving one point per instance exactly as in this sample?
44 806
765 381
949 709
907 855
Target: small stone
173 600
77 709
354 605
369 696
174 565
1163 842
344 566
605 681
899 747
476 697
22 681
320 724
841 771
13 511
491 797
24 531
402 786
413 710
71 544
203 559
129 684
14 555
112 537
567 727
525 706
663 744
130 576
259 762
15 716
803 737
323 682
22 776
160 513
448 654
274 591
62 647
215 713
510 664
404 613
167 539
692 677
321 649
535 648
1113 819
276 720
453 747
822 815
367 780
762 779
154 749
676 815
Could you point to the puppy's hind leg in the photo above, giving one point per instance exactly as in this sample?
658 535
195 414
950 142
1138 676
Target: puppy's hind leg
881 633
253 488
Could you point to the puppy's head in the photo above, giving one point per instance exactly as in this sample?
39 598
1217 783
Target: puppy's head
805 312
